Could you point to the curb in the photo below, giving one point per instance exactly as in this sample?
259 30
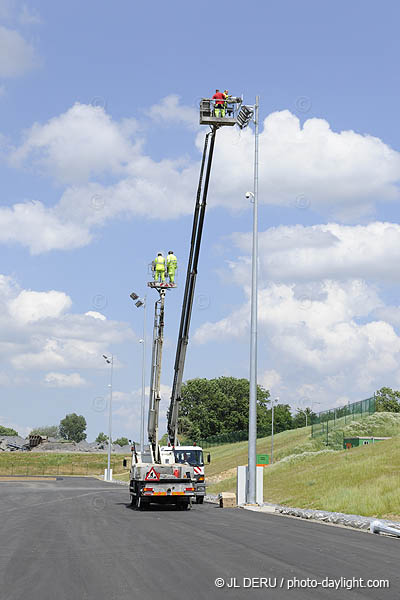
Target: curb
324 516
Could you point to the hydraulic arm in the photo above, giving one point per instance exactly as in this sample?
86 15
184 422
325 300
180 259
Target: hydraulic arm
187 305
155 378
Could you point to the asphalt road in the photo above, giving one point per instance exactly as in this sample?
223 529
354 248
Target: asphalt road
78 539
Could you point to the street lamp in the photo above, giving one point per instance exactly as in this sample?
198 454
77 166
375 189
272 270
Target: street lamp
110 361
252 451
138 303
272 428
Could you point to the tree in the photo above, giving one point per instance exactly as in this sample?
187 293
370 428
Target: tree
102 437
387 400
7 431
300 420
214 406
46 430
72 427
122 441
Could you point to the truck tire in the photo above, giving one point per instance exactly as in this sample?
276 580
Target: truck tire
199 499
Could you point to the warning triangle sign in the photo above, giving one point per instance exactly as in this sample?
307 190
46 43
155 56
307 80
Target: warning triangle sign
152 475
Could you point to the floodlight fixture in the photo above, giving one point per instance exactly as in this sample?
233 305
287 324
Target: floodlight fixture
245 115
139 303
134 296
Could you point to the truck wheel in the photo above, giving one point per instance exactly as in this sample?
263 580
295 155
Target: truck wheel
199 499
133 500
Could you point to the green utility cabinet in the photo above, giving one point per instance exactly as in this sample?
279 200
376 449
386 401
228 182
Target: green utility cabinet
355 442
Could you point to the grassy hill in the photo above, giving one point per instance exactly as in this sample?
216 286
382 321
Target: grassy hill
47 463
363 480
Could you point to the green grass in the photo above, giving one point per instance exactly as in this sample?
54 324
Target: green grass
363 480
45 463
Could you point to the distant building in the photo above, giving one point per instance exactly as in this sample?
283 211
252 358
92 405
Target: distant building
355 442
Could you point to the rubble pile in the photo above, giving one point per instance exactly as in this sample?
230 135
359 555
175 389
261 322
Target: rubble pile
10 443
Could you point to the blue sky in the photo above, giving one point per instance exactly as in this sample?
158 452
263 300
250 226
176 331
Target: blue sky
99 158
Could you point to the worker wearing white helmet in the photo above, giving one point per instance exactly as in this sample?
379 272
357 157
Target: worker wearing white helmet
172 264
159 268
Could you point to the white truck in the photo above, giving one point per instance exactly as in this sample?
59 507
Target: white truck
194 456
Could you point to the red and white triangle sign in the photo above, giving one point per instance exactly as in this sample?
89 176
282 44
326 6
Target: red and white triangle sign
152 475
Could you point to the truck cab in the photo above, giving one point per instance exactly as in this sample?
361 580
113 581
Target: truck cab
193 456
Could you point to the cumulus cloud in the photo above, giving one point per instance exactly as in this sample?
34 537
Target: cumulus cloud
332 251
40 228
337 173
31 306
63 380
17 56
82 143
331 342
107 174
170 111
40 333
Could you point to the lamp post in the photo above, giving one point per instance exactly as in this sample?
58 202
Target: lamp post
252 451
110 361
272 428
138 303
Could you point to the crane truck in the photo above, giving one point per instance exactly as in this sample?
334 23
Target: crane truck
175 474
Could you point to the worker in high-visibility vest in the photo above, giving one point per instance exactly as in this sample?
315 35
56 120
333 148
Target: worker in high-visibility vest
228 109
172 263
219 104
159 268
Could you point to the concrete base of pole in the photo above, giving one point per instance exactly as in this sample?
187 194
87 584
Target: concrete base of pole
108 475
242 485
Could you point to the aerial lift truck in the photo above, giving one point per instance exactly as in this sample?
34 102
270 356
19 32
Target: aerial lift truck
237 114
174 473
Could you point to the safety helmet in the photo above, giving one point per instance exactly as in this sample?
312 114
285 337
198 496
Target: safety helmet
170 252
159 254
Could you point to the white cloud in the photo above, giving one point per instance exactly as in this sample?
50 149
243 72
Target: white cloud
63 380
95 315
40 229
342 174
39 332
16 55
270 379
83 142
31 306
298 253
170 111
107 174
330 343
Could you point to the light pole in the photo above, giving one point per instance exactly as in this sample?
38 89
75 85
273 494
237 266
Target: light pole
142 302
252 451
272 429
110 361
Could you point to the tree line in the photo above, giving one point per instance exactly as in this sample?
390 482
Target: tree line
212 407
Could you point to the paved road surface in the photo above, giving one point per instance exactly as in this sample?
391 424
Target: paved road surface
77 539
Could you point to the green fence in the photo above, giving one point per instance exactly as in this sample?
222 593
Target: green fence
325 422
229 438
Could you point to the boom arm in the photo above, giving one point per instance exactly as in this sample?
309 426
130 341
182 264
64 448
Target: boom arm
183 338
155 378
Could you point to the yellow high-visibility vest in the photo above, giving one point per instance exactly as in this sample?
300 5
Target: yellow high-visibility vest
172 261
160 261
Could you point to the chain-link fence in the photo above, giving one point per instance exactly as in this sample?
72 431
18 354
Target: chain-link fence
230 438
325 422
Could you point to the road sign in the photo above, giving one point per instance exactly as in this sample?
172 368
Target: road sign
262 460
152 475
